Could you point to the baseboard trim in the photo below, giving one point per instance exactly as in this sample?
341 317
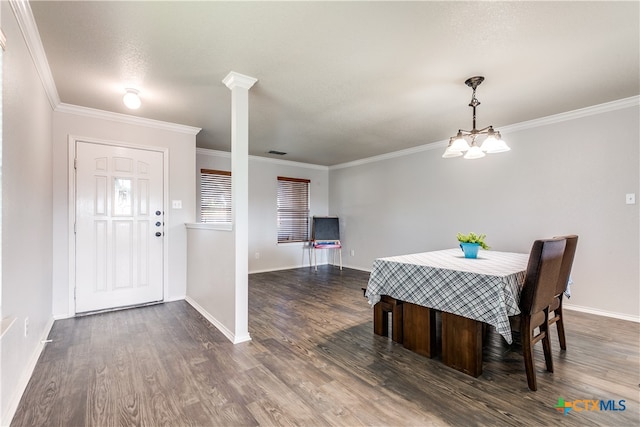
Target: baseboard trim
219 326
241 339
366 270
604 313
62 316
293 267
14 400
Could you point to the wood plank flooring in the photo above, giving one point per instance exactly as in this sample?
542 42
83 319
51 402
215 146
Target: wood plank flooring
313 361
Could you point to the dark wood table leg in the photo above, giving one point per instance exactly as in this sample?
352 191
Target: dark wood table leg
381 318
419 331
397 324
462 344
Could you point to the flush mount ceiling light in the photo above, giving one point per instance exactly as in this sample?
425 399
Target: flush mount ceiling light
466 140
132 99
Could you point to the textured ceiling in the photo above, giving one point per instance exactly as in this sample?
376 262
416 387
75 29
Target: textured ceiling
342 81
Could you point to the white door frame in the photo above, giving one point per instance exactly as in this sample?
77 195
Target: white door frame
72 140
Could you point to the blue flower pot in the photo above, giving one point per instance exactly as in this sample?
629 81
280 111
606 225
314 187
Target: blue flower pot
470 249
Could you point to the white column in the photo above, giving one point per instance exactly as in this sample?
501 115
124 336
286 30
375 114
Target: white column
240 85
3 42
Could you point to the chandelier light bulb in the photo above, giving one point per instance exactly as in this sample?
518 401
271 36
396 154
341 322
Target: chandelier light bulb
448 153
451 151
490 144
500 146
474 153
131 99
459 143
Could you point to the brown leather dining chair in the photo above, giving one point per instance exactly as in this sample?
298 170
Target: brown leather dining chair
555 310
541 277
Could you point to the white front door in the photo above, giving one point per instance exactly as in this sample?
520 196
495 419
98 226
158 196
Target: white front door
119 226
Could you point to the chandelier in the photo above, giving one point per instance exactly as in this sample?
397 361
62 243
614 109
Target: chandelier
466 141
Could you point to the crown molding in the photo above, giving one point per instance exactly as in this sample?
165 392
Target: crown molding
29 29
125 118
213 153
234 80
289 163
227 155
392 155
620 104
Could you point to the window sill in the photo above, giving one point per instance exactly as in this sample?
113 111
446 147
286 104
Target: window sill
205 226
304 244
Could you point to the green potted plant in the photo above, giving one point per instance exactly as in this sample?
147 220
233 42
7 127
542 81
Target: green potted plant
470 243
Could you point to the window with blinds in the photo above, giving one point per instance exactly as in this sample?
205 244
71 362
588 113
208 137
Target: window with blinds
293 209
215 196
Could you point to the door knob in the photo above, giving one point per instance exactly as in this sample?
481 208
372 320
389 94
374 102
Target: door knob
158 213
158 224
158 234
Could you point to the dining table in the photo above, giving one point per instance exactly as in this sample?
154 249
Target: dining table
468 292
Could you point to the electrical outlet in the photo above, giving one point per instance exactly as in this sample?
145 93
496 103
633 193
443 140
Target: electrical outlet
176 204
257 255
631 198
26 326
353 252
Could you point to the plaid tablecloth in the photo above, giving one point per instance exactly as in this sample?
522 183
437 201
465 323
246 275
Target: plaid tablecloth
486 289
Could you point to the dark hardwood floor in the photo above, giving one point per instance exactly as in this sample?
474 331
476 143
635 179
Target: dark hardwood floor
313 361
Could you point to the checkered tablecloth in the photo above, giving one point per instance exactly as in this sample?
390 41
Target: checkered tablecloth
486 289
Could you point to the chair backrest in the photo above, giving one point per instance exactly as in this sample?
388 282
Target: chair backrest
567 263
543 271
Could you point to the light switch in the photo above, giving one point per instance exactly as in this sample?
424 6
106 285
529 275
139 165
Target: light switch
631 198
176 204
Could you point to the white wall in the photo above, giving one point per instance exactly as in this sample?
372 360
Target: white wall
26 216
560 177
181 146
211 276
263 227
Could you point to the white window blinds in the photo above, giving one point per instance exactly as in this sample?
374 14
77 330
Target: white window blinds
215 196
293 209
